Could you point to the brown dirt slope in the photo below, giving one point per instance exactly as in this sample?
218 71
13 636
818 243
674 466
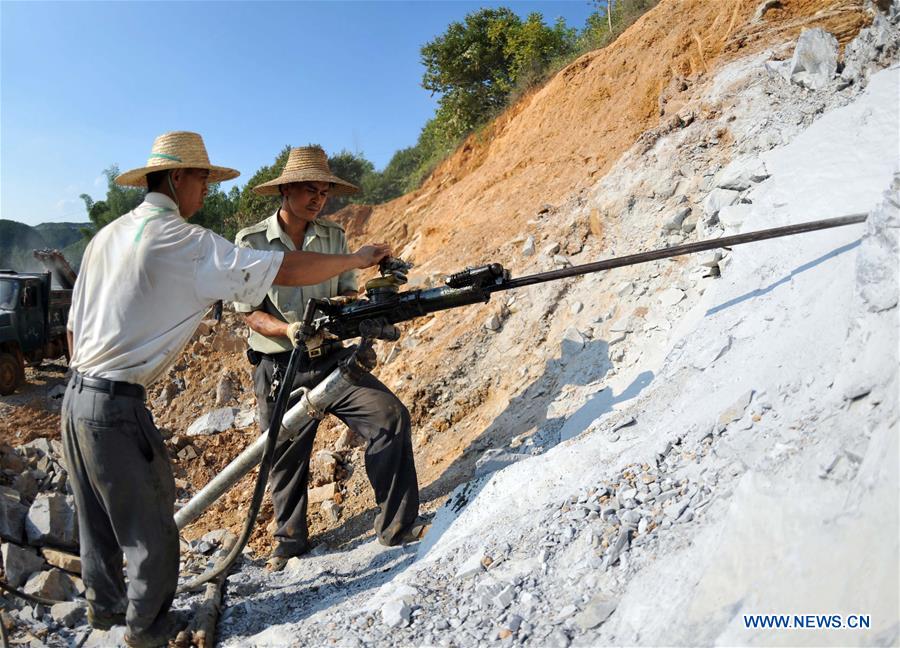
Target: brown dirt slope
563 137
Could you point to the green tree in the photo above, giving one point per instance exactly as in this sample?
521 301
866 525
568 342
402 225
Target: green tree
394 180
119 200
533 46
353 168
476 65
611 18
252 207
219 211
469 67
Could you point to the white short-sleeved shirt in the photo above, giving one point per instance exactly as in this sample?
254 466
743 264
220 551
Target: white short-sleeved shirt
146 281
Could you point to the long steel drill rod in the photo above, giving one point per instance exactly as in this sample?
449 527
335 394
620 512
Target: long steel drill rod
678 250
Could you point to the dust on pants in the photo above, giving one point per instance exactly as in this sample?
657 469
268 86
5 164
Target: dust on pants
124 491
370 410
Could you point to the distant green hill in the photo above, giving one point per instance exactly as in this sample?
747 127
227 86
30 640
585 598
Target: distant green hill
61 235
18 241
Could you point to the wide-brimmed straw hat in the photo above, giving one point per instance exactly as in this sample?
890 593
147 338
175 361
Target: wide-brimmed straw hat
176 150
306 164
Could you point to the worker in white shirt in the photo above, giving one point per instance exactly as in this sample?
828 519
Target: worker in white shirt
146 281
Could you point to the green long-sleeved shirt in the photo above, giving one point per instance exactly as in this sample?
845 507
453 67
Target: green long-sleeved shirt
287 302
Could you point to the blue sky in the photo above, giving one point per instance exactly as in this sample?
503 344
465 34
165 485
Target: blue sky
84 85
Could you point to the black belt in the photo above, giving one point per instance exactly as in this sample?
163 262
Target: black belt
326 349
111 387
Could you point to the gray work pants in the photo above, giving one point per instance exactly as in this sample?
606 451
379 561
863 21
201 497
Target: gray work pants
372 411
120 474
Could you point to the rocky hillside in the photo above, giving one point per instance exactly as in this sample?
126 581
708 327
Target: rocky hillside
644 456
18 241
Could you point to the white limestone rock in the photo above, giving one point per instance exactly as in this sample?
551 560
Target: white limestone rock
718 198
735 411
19 563
68 614
670 297
622 325
676 220
597 611
52 521
12 519
471 566
245 418
212 422
689 224
528 247
572 341
742 173
53 584
396 613
710 259
733 216
815 59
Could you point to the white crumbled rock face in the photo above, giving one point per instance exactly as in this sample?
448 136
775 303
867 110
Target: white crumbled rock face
874 47
877 271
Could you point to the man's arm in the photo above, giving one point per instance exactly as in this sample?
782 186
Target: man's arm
266 324
301 268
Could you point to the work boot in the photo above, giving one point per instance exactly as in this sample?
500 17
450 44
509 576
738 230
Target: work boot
413 534
283 553
159 634
104 620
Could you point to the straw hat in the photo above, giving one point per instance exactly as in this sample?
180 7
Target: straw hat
306 164
176 150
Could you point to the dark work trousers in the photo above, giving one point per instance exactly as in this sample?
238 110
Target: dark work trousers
372 411
124 490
